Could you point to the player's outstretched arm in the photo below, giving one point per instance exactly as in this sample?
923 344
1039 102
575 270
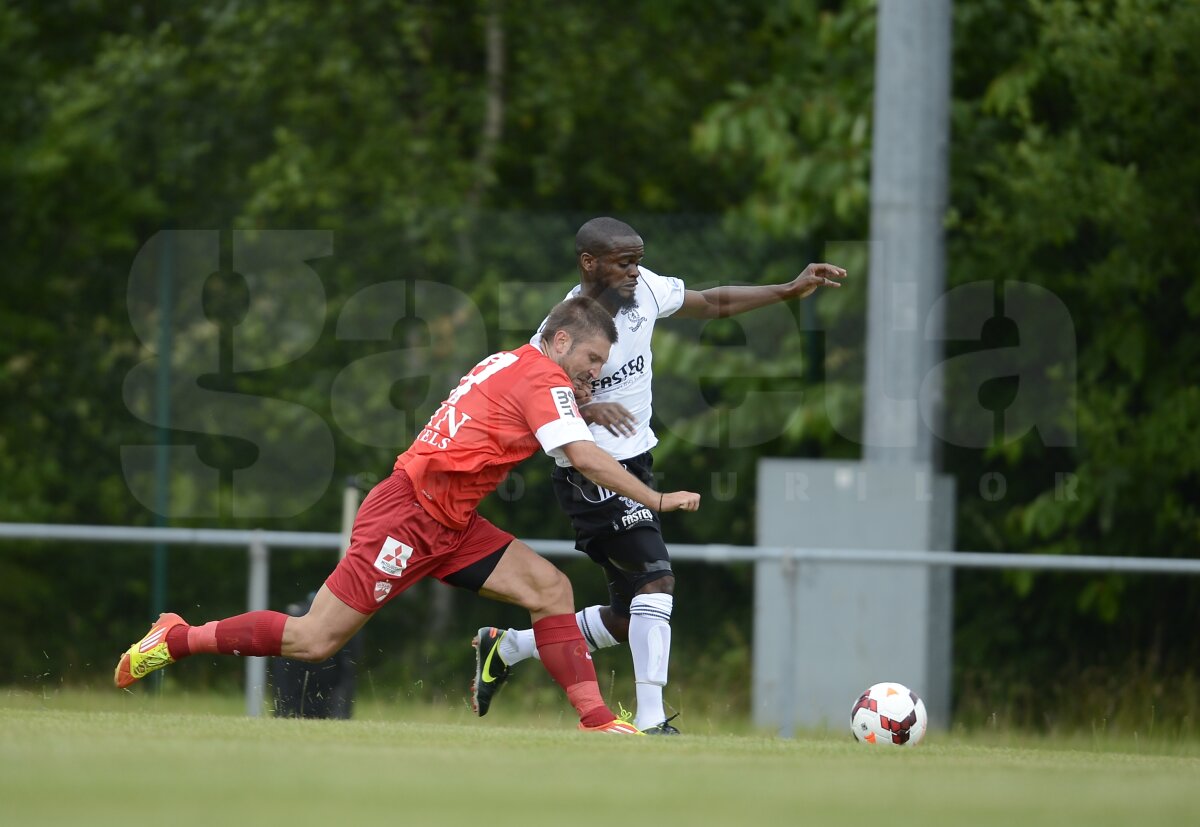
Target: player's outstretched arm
600 468
722 302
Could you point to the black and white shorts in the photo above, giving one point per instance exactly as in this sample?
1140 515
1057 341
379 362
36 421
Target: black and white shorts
597 512
616 532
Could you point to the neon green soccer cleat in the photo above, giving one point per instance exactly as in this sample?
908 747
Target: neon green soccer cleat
490 669
148 654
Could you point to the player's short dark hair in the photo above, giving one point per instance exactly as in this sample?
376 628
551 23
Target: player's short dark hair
597 236
582 318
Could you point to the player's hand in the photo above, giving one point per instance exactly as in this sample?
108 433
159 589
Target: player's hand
813 277
614 416
583 394
680 501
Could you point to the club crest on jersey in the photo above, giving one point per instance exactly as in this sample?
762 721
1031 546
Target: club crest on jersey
393 558
636 319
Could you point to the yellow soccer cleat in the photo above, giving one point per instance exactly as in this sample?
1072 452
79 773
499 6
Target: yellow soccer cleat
148 654
490 669
614 727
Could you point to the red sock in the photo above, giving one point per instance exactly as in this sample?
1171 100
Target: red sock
565 656
177 641
193 640
253 633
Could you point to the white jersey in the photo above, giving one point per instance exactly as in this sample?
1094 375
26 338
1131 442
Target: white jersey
626 376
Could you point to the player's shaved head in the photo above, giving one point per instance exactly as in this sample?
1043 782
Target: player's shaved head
582 318
600 235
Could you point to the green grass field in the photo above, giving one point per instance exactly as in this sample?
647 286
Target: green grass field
124 758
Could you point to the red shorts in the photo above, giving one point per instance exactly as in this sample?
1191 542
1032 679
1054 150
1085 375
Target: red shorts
395 543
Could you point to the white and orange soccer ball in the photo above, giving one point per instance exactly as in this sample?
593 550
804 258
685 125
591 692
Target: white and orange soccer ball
889 713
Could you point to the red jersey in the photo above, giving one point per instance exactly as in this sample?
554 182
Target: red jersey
501 412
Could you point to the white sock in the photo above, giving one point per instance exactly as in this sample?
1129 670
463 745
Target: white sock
518 644
593 629
650 645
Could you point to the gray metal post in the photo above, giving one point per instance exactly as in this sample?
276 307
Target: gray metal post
909 171
349 511
256 600
788 565
909 143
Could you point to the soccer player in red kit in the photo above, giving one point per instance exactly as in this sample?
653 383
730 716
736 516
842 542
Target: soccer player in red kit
421 521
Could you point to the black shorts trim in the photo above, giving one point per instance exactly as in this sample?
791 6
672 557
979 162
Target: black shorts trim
473 577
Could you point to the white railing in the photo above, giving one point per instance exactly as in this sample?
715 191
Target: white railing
259 544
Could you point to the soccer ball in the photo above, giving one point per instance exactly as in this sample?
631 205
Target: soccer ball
889 713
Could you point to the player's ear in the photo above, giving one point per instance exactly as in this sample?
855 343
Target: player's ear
587 262
562 341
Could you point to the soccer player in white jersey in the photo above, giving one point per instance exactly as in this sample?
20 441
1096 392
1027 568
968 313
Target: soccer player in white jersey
616 532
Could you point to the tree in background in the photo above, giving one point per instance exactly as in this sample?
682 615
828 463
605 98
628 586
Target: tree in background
438 142
1072 170
460 144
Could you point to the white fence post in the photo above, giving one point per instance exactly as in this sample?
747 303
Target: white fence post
256 600
792 560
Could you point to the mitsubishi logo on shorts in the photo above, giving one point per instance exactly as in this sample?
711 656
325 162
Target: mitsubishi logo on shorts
393 557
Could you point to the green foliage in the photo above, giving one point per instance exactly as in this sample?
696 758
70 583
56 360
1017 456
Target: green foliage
736 138
368 122
1084 194
800 126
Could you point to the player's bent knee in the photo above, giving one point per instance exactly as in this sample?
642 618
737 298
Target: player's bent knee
324 650
551 593
558 594
657 583
651 580
313 645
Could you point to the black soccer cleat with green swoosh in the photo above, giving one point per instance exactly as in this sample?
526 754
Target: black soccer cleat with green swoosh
490 669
